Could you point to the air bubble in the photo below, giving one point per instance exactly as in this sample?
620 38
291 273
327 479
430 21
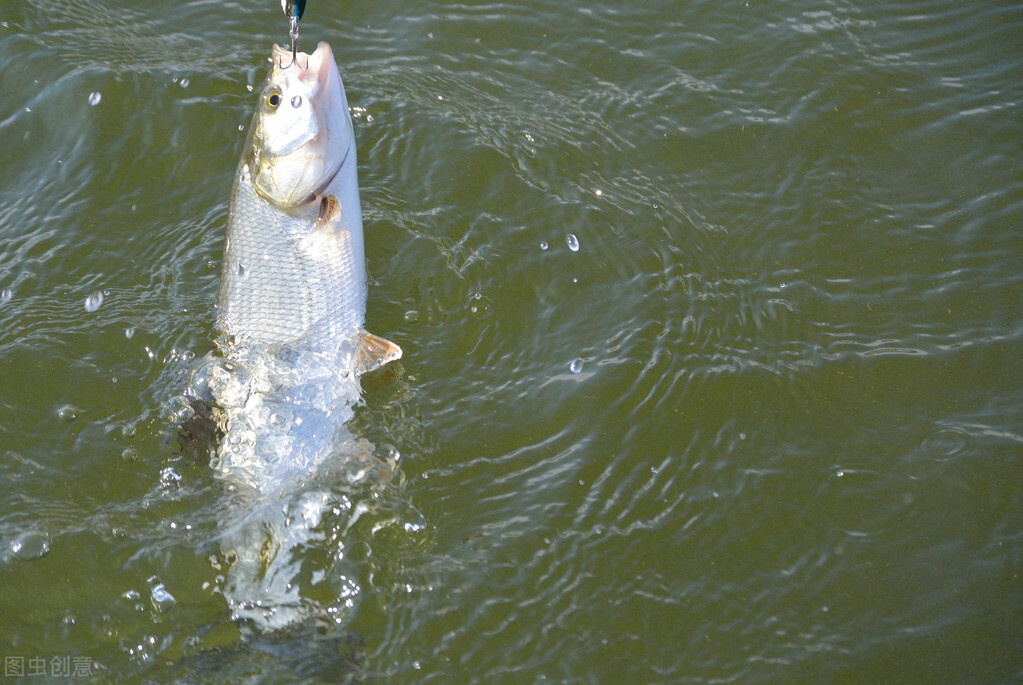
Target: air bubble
543 245
572 242
68 413
163 601
94 98
31 545
576 366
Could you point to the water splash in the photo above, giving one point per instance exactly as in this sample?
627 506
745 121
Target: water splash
94 301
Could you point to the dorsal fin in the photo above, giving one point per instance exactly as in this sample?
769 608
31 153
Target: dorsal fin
373 352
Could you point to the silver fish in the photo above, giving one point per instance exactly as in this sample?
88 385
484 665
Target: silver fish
294 269
290 312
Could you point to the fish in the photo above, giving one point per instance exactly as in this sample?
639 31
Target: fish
294 266
291 343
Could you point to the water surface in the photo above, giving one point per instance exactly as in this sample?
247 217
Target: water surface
710 314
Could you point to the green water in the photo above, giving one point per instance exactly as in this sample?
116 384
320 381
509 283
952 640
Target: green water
764 425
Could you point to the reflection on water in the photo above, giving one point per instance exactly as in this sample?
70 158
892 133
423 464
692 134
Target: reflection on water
710 319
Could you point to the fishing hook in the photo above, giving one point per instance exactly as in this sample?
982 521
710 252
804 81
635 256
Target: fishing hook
293 10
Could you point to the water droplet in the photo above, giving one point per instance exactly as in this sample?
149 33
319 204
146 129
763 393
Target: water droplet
130 454
5 296
543 245
163 601
479 304
411 316
572 242
31 545
296 101
576 366
94 301
184 83
68 413
129 332
94 98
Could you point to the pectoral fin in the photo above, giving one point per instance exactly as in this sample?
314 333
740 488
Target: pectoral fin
330 211
373 352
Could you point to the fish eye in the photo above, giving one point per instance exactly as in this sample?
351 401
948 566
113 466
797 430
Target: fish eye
273 99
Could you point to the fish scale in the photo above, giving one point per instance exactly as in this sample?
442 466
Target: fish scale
279 283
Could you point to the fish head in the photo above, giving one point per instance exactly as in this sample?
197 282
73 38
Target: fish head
302 131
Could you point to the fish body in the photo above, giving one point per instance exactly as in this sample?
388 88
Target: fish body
290 315
292 298
294 267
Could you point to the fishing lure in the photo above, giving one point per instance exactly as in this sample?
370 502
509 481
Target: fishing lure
293 9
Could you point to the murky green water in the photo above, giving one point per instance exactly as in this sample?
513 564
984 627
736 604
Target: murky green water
711 319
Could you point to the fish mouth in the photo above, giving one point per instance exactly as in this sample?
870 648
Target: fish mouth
297 157
311 68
